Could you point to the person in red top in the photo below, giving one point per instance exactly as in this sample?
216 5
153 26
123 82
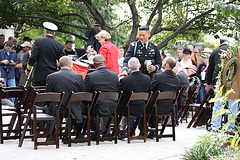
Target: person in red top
108 51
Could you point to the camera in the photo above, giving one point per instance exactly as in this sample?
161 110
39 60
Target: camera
2 82
97 25
6 68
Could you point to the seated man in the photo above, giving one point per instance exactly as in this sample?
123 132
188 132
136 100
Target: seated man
136 82
102 80
183 81
164 81
66 81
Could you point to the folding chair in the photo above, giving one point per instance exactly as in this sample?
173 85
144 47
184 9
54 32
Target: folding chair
144 96
201 112
186 108
113 96
80 96
35 117
13 113
167 95
179 105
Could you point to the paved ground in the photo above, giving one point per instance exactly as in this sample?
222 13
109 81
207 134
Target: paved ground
166 149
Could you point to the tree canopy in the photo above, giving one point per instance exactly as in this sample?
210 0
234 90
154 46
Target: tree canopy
167 19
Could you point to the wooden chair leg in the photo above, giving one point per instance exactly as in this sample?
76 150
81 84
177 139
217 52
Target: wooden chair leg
115 127
97 129
1 129
164 125
88 127
128 125
173 125
35 133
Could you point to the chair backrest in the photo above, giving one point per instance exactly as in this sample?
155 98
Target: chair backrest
48 97
209 95
18 94
170 95
29 97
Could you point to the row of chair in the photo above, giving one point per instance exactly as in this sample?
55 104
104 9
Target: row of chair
33 120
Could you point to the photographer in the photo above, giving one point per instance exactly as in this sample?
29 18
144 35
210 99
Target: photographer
8 60
90 34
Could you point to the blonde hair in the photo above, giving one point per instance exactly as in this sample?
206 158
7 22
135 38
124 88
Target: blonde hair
103 34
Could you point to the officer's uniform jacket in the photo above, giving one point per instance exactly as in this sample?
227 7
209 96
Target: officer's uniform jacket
151 53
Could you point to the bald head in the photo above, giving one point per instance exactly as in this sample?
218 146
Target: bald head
169 62
65 61
99 61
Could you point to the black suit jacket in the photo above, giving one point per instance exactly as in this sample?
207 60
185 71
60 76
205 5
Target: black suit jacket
45 51
136 82
213 68
106 81
66 81
165 81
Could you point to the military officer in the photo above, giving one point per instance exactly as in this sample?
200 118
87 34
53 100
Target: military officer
45 53
147 53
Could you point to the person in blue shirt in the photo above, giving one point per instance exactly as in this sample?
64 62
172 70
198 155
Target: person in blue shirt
8 59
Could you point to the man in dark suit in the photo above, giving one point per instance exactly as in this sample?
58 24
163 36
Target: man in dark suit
45 51
164 81
136 82
183 80
102 80
67 81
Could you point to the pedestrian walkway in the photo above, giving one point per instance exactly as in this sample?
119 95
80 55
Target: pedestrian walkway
165 149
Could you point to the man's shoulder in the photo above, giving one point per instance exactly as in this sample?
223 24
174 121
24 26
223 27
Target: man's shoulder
152 45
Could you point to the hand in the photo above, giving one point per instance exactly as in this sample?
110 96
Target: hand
124 73
12 63
207 87
1 82
151 68
27 72
5 61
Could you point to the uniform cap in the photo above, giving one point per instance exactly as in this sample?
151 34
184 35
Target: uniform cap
50 26
144 27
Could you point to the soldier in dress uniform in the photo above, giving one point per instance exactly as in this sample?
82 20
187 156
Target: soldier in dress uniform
147 53
45 53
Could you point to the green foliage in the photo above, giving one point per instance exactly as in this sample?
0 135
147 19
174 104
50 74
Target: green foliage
207 146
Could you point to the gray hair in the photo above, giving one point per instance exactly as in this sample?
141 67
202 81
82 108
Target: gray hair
134 63
65 61
180 48
103 34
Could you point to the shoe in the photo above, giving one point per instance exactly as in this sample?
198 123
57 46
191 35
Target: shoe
122 136
151 135
65 140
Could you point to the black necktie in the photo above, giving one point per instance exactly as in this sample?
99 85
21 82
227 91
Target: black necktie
144 47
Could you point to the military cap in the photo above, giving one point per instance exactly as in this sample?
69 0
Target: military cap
50 26
144 27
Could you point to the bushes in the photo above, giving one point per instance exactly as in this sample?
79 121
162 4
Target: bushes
212 146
